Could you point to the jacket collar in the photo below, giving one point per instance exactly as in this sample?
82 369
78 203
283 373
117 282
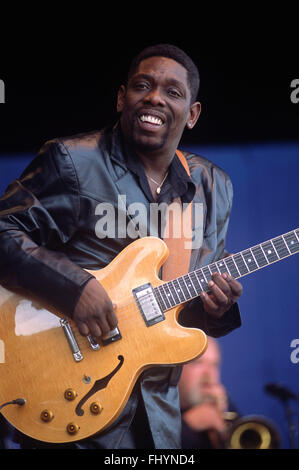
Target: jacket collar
178 184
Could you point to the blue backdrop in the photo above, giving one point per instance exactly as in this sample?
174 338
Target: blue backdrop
266 194
266 189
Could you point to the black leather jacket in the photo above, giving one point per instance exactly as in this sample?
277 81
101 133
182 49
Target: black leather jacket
47 235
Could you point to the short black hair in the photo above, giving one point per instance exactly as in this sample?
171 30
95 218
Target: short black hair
171 52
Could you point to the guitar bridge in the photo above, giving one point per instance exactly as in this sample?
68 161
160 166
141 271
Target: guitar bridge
111 337
148 304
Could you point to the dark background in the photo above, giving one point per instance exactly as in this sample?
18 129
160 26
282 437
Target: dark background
67 87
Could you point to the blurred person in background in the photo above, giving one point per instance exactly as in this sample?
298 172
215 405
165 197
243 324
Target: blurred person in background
204 401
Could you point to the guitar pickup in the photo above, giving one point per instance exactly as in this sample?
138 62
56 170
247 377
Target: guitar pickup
148 304
111 337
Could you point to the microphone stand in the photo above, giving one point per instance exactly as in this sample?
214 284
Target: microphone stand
285 395
291 423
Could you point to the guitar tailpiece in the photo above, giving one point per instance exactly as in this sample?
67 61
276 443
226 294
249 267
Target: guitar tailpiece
17 401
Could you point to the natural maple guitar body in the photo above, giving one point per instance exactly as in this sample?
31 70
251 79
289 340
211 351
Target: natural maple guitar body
68 400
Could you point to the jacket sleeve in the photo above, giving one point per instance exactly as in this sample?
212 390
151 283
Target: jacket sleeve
193 315
39 213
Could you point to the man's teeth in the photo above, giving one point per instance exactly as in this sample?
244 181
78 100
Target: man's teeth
151 119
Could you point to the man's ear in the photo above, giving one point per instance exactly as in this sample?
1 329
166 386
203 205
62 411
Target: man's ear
121 98
194 113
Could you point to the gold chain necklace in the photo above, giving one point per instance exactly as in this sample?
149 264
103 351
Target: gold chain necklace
159 185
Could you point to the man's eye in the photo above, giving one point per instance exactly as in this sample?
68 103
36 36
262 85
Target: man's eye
174 92
141 85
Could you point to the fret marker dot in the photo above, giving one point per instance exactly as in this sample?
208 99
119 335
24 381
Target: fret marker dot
249 260
269 252
292 242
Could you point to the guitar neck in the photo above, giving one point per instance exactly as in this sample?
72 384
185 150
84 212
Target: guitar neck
191 285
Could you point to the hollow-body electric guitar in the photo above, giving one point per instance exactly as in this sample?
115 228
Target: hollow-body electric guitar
58 386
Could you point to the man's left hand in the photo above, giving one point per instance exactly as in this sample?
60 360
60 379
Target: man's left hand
224 291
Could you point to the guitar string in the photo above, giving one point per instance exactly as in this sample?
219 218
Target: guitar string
85 345
122 315
125 312
124 308
131 302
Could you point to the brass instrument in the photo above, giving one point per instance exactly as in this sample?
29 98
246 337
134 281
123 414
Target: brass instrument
251 432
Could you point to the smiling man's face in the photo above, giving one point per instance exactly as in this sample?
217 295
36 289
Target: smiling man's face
155 106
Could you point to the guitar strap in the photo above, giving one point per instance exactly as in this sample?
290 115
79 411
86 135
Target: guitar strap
178 235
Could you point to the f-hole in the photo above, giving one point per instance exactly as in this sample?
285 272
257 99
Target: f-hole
99 384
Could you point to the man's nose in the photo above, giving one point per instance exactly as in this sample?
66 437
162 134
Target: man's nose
155 97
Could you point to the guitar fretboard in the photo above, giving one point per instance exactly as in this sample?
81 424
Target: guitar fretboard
189 286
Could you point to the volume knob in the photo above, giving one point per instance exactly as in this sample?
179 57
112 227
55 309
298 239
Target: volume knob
70 394
96 408
46 416
72 428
